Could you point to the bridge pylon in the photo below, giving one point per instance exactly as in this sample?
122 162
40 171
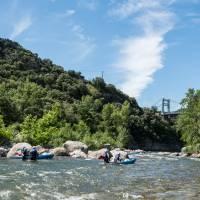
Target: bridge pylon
166 105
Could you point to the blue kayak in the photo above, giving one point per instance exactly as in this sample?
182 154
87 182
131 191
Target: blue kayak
42 156
45 156
128 161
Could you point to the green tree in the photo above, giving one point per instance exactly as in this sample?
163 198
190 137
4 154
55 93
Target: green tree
188 122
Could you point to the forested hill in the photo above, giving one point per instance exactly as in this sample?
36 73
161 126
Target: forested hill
34 91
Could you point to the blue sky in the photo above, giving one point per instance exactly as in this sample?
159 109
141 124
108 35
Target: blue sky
148 48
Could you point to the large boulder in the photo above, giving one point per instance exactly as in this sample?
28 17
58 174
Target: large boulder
71 146
174 154
17 149
41 149
3 152
78 154
60 151
195 155
97 154
184 155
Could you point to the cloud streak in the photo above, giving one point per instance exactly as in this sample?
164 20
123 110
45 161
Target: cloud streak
21 26
141 56
81 45
66 14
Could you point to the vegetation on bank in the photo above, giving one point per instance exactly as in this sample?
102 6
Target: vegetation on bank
41 103
188 122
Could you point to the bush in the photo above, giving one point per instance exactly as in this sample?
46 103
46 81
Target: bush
5 133
191 149
197 148
188 149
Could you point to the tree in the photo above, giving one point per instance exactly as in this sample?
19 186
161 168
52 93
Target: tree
188 122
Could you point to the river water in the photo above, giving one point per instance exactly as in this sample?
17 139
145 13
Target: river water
153 176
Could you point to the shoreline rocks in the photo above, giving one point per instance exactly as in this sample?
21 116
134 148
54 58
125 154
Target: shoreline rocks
195 155
123 154
71 146
76 149
78 154
60 151
17 149
96 154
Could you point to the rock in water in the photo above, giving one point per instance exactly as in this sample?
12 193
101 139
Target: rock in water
17 148
60 151
195 155
78 154
71 146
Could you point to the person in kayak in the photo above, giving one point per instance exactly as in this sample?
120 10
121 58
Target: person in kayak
107 156
34 153
25 153
117 158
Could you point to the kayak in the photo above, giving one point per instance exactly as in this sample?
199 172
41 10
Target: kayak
41 156
45 156
128 161
124 162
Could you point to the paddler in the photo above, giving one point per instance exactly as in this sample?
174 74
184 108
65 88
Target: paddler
34 153
107 154
25 153
117 158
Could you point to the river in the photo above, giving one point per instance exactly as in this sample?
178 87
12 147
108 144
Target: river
153 176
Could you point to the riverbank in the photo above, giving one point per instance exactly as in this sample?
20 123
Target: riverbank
76 149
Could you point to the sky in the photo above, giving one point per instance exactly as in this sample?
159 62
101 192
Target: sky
150 49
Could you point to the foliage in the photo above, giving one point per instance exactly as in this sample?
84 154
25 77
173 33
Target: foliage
5 133
188 122
43 104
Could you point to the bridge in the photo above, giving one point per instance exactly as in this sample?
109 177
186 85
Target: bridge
164 105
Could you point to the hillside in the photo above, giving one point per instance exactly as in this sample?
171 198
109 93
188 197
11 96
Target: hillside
41 103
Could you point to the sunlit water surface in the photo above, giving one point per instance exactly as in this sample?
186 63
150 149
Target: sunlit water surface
153 176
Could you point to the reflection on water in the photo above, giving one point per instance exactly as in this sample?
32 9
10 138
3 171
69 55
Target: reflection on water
153 176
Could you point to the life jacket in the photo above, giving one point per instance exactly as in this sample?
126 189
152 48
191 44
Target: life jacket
33 154
106 156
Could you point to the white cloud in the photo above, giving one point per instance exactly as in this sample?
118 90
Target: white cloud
82 45
21 26
130 7
141 56
67 13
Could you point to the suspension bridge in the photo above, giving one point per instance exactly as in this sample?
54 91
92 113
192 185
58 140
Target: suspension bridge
168 107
